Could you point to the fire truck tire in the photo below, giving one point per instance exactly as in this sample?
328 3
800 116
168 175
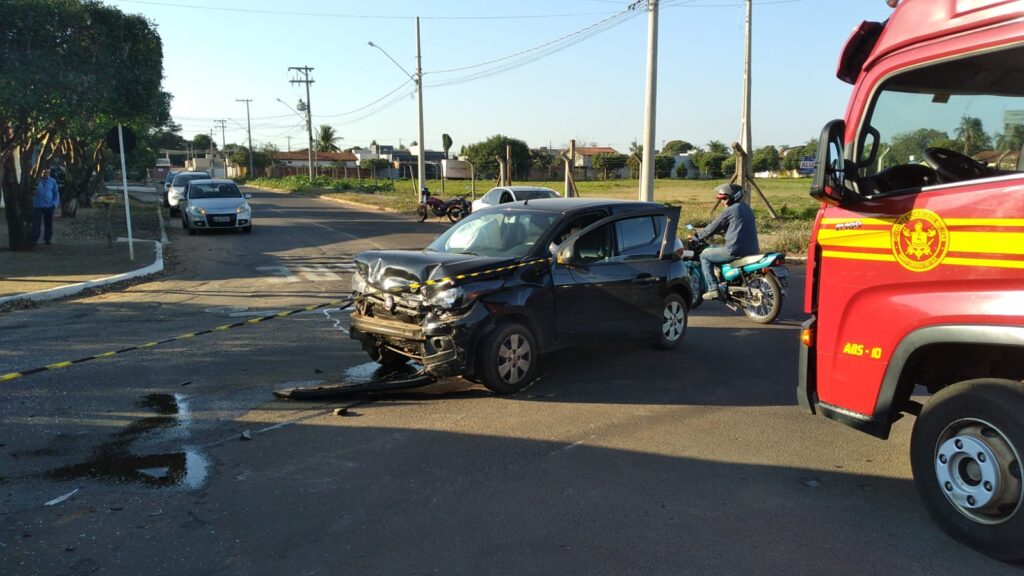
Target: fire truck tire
765 308
507 360
966 452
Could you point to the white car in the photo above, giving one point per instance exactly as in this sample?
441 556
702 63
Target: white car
215 204
176 190
505 194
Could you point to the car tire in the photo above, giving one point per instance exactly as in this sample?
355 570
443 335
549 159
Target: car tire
247 229
965 452
174 212
507 358
385 357
184 222
674 319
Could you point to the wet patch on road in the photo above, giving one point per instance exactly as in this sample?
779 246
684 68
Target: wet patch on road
115 460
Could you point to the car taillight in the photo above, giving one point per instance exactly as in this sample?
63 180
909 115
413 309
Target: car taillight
807 337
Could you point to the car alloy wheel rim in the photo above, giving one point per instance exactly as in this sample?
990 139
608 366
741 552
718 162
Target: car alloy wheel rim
761 298
979 471
674 322
514 358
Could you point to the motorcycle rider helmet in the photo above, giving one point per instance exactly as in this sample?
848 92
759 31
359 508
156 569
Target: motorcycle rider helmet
729 193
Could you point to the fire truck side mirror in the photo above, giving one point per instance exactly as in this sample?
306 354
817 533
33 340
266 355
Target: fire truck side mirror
829 184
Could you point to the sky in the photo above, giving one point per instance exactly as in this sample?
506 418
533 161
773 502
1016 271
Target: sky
540 71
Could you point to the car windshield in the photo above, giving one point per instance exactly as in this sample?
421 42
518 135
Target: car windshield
498 234
197 191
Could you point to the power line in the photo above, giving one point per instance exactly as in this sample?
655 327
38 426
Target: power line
359 16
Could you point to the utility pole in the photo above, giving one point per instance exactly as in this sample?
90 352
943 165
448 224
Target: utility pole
647 162
223 139
248 123
289 143
305 70
420 160
746 159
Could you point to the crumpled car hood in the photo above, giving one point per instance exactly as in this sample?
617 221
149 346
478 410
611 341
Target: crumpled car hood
389 269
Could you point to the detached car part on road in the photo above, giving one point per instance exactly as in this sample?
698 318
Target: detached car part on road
499 288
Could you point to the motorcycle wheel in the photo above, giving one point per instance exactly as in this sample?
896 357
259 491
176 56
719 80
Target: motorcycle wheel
455 213
421 213
763 302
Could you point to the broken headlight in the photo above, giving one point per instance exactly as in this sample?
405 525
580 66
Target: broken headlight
358 283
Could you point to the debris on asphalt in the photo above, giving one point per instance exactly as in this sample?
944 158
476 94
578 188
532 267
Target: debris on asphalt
186 383
159 473
245 435
116 508
157 513
317 371
69 548
60 499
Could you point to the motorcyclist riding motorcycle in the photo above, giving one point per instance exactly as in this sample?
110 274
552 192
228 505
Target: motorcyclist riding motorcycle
740 228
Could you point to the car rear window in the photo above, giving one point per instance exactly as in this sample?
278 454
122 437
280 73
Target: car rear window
535 194
183 178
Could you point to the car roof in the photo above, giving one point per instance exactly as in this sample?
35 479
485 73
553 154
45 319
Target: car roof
563 205
212 181
524 189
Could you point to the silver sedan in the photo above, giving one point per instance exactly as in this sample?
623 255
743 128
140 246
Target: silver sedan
215 204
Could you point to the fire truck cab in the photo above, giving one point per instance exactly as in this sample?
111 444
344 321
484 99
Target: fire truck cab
915 282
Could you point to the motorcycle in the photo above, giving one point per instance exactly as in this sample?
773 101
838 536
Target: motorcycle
455 209
755 284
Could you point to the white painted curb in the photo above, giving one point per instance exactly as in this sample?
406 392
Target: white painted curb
71 289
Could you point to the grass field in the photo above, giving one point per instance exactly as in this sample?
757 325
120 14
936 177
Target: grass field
696 199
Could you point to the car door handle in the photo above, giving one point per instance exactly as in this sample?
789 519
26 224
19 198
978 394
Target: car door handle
645 280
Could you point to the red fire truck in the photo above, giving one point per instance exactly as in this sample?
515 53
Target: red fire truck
915 281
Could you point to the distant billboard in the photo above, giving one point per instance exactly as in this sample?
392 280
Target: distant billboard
806 165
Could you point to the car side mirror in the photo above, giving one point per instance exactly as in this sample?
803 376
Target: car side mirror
248 196
566 254
829 184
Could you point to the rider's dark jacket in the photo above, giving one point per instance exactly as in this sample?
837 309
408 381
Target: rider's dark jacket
737 221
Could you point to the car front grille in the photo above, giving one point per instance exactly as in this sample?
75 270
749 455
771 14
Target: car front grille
218 220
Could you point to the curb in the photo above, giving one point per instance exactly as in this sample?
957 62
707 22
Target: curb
72 289
361 205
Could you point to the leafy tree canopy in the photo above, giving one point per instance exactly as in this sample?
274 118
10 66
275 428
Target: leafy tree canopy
482 154
676 147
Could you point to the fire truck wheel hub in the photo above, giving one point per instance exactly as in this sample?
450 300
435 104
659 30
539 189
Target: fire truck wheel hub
978 471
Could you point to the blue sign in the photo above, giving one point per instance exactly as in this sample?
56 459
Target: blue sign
806 165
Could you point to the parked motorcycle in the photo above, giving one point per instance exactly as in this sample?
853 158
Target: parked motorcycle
756 284
455 209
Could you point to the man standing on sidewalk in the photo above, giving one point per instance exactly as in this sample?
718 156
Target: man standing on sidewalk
46 199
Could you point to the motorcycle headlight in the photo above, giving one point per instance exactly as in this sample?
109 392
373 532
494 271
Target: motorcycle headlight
358 283
446 298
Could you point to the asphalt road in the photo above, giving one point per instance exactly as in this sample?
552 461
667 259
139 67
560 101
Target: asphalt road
621 459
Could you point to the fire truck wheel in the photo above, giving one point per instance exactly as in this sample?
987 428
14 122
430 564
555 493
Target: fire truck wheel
966 454
673 322
765 300
507 358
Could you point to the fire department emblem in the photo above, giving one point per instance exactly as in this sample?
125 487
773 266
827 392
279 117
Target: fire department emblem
920 240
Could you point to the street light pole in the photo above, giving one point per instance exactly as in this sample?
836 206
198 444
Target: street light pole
418 79
305 70
420 160
248 123
647 162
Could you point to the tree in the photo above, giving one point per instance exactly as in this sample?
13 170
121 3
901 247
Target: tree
676 147
1012 140
374 165
482 154
71 71
608 162
203 142
716 147
325 139
766 159
708 162
795 154
971 137
663 164
446 144
908 147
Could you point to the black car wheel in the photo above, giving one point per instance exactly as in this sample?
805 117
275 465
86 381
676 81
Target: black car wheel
247 229
507 360
674 318
966 452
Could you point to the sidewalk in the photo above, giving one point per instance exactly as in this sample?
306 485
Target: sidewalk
79 257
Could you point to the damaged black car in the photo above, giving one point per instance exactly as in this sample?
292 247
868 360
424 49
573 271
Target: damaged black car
485 299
